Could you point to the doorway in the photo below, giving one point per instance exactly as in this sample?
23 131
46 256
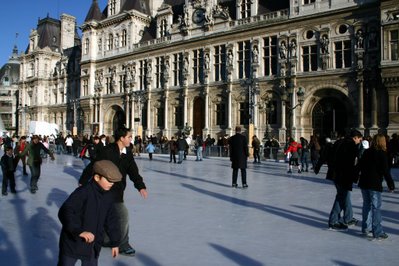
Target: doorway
198 116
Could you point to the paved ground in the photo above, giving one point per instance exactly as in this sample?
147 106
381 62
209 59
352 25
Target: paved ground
193 217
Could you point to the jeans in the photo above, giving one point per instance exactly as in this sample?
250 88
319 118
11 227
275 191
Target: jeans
60 148
35 174
304 160
342 203
243 176
371 213
199 154
123 214
181 156
172 156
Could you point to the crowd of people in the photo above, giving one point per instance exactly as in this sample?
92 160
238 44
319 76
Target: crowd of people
108 162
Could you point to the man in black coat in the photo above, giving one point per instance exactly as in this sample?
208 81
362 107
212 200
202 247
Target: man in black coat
238 146
120 153
345 174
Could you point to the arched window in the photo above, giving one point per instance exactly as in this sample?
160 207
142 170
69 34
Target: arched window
163 28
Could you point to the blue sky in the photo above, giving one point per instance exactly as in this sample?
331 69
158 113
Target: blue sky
20 16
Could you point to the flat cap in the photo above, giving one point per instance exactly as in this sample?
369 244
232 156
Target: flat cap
108 170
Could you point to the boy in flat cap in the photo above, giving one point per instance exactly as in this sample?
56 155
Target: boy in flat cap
85 215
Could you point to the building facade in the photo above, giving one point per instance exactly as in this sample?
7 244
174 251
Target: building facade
49 82
282 68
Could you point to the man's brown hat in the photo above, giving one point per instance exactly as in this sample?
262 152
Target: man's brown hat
108 170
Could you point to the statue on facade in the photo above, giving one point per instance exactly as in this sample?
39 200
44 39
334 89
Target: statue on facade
324 44
359 39
230 58
185 65
187 129
293 49
207 62
255 54
283 50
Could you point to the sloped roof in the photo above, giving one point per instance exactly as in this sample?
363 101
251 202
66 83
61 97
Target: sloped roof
94 12
49 33
140 5
150 32
272 5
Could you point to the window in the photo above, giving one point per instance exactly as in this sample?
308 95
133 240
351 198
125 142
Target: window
160 117
112 7
220 114
394 43
124 38
159 62
245 8
122 83
85 87
31 70
110 42
143 74
179 116
244 114
198 66
177 69
342 51
100 45
87 43
163 28
244 59
306 2
108 84
309 58
220 62
270 55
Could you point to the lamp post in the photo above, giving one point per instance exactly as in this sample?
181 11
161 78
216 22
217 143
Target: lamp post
139 97
269 108
291 107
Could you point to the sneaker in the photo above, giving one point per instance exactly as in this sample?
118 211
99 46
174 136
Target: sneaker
299 171
352 222
235 186
4 193
289 172
245 186
367 234
130 251
337 227
383 236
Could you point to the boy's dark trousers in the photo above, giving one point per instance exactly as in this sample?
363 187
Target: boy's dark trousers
65 260
8 177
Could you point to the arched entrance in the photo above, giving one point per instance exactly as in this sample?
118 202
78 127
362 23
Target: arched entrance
114 118
119 119
198 116
329 117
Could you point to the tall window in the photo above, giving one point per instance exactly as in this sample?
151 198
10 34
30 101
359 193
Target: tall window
220 62
245 8
244 114
198 66
124 38
177 69
112 7
108 84
159 62
110 40
85 87
179 116
221 114
309 58
394 43
122 83
161 117
163 28
270 55
143 74
244 59
87 43
342 51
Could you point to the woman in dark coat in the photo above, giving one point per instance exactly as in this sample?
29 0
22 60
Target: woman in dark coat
374 167
238 146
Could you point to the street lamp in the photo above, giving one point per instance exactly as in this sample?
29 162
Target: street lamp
287 98
269 108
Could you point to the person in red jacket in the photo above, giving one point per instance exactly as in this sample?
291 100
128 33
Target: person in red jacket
293 151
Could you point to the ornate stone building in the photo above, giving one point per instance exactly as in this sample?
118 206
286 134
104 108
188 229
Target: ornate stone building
289 67
49 84
9 77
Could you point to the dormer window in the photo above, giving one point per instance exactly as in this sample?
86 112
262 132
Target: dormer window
86 46
112 7
124 38
163 28
245 8
110 40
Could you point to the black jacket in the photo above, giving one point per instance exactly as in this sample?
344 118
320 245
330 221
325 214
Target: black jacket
345 167
126 165
89 208
373 167
238 146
